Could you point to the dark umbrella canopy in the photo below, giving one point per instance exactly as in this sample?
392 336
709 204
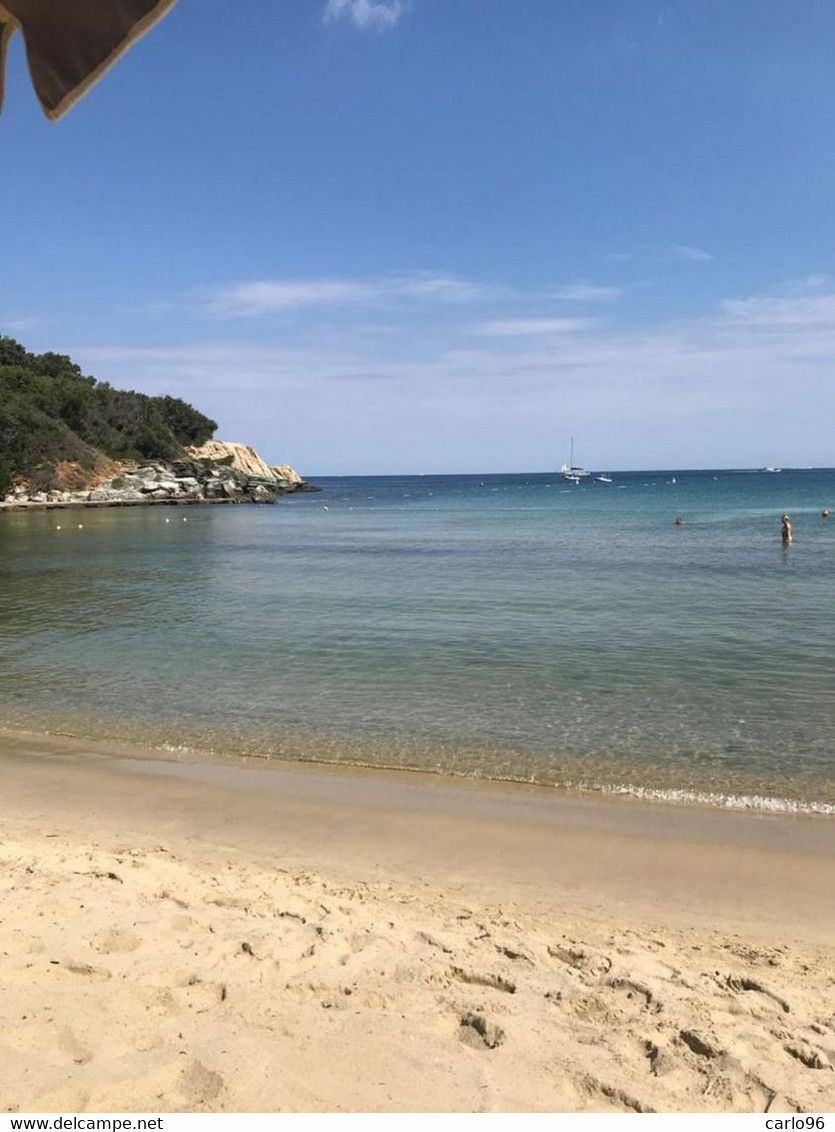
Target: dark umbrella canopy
71 43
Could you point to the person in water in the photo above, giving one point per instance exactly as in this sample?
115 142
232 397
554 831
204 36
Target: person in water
787 530
679 522
825 513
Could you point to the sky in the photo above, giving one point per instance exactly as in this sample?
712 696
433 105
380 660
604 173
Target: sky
402 236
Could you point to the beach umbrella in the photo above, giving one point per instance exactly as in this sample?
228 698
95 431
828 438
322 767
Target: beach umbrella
71 43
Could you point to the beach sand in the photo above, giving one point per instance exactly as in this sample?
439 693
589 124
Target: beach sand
187 934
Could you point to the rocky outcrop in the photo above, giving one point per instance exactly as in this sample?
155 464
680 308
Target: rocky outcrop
285 472
217 472
242 458
193 479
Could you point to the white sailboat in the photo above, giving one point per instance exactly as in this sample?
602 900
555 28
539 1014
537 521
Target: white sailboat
570 471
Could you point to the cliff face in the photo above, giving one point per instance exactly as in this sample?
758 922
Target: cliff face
243 458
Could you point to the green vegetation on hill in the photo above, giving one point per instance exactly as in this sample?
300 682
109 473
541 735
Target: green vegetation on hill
51 412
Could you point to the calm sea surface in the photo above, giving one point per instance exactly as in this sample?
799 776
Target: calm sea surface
502 626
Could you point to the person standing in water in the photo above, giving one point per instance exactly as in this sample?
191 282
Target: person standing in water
787 530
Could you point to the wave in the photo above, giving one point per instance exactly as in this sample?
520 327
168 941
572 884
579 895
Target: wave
759 802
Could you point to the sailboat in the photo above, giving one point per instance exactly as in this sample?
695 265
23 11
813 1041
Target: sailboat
570 471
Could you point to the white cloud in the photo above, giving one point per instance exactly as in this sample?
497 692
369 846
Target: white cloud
814 282
272 296
518 327
581 292
695 255
376 15
748 385
771 311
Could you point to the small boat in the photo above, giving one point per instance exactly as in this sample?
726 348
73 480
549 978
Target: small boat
570 471
774 471
603 479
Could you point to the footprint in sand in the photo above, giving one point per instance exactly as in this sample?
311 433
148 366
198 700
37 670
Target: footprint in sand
484 979
806 1055
617 1097
476 1031
199 1085
114 941
581 958
637 995
743 984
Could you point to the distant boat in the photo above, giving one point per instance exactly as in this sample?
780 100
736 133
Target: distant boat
570 471
773 470
603 479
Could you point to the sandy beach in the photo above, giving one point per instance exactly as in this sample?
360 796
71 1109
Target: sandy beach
189 934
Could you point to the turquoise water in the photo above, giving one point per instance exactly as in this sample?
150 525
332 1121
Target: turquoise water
503 626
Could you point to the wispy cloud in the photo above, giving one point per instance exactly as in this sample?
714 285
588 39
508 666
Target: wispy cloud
582 292
748 383
809 284
527 327
771 311
18 325
694 255
372 15
272 296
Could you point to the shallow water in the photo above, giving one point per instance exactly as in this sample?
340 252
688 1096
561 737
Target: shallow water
506 626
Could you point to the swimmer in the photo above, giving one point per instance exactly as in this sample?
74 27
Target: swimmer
786 530
825 513
679 522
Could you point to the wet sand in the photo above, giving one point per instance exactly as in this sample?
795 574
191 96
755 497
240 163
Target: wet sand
182 933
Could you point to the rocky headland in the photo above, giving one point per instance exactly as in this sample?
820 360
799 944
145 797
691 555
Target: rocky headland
216 472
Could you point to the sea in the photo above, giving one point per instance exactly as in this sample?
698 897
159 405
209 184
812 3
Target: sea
511 627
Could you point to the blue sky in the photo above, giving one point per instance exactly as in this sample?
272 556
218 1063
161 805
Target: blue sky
446 235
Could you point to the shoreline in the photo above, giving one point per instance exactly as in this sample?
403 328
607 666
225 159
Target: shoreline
204 934
677 797
84 504
259 785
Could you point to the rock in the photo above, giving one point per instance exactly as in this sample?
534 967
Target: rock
244 458
105 494
217 471
287 474
147 474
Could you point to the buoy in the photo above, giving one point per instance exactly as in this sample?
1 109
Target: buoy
81 526
58 527
185 520
168 520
